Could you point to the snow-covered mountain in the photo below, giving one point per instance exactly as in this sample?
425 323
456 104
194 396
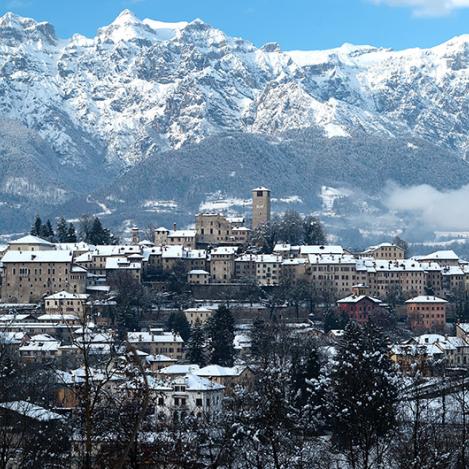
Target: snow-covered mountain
140 88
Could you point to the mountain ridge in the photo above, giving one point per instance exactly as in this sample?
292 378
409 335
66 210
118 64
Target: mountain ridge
140 89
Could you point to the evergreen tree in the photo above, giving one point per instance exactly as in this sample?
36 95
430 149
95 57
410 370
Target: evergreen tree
195 345
305 368
313 231
47 231
334 320
220 335
178 322
93 232
62 233
36 229
260 341
361 398
403 244
291 228
71 234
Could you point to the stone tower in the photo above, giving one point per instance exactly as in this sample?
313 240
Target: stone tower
260 206
134 235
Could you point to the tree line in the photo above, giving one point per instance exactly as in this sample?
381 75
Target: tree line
291 228
90 231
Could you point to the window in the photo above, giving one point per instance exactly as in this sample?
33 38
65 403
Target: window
198 402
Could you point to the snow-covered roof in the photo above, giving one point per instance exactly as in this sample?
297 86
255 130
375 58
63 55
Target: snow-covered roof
159 358
464 326
113 263
148 337
32 411
426 299
331 259
199 272
378 265
295 261
444 255
11 338
427 339
14 317
173 252
358 298
80 246
64 295
196 253
268 259
197 383
182 234
382 245
217 370
261 188
179 369
58 317
452 270
199 309
30 239
225 250
37 256
43 338
321 249
38 346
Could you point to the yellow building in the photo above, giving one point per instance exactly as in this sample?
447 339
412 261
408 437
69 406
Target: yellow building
30 275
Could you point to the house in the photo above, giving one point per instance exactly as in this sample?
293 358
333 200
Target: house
222 263
165 237
65 302
188 395
29 275
385 251
426 313
158 342
41 348
416 357
198 277
30 243
228 377
360 308
157 362
268 269
198 314
445 258
179 369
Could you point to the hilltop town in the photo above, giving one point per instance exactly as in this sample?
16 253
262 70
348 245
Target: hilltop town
166 338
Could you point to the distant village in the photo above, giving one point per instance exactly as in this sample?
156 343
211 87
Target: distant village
184 307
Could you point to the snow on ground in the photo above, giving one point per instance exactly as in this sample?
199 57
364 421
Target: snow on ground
329 195
289 199
159 206
219 202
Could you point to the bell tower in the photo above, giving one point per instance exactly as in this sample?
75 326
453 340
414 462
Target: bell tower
260 206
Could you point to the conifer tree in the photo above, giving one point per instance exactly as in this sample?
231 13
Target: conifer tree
36 229
62 234
47 231
361 398
71 234
313 231
261 339
195 345
178 322
220 335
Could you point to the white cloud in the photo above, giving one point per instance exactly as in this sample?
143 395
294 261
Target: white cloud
427 7
431 207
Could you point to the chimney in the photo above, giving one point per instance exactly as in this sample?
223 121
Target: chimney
174 226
